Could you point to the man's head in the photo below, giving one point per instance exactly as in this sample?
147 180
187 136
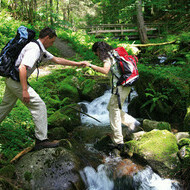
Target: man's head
47 37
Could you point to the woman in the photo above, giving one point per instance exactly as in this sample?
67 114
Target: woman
116 115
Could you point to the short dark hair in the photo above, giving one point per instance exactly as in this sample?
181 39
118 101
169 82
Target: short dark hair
47 32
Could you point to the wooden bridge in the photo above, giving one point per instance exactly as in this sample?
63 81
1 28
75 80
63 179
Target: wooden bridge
122 30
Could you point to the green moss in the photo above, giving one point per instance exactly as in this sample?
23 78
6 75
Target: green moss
149 125
28 176
187 120
7 171
158 145
66 90
67 117
88 86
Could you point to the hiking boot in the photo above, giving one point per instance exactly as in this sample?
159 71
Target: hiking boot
45 144
121 147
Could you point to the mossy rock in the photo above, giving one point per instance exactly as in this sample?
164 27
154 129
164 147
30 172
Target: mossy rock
187 120
67 117
57 133
149 125
88 134
67 89
159 148
92 89
7 171
184 142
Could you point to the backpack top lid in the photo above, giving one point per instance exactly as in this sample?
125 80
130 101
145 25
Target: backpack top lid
121 51
24 33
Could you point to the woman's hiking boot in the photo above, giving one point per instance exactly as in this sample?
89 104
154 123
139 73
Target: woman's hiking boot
45 144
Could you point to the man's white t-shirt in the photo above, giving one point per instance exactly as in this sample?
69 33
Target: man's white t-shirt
30 54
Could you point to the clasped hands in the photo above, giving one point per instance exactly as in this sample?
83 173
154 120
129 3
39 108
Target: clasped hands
84 63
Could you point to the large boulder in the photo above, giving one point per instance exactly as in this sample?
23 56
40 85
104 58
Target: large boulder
49 169
159 148
149 125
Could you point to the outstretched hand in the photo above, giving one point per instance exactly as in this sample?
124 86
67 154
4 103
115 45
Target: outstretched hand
84 63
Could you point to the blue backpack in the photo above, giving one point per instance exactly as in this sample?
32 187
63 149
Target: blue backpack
11 51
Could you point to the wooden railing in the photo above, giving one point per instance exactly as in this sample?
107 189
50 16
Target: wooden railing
121 29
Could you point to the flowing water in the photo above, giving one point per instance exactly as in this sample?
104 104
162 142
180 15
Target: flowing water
98 109
105 176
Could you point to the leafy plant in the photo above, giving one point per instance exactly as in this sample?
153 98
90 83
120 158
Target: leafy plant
156 99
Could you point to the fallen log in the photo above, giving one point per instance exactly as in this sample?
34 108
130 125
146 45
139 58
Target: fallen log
26 150
153 44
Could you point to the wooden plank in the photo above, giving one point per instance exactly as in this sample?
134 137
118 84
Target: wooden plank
112 31
118 31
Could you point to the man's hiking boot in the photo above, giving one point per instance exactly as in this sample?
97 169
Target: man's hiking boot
45 144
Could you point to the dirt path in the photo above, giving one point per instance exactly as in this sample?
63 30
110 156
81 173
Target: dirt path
64 48
66 52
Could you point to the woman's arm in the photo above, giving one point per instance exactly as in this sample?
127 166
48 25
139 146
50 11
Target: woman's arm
105 69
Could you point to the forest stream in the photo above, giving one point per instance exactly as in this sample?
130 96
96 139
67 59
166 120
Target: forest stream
110 175
100 170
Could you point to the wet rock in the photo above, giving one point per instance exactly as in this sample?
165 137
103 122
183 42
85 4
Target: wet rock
149 125
182 135
126 167
49 169
138 135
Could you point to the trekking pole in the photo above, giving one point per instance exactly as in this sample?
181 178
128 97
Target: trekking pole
84 113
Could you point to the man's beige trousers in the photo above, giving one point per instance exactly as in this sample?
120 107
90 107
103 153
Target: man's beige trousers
37 107
117 116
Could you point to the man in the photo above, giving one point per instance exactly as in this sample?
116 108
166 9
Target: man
14 90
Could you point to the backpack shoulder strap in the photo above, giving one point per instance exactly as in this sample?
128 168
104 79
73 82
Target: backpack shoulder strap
35 41
39 60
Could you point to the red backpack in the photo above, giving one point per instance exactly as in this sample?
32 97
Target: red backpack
127 65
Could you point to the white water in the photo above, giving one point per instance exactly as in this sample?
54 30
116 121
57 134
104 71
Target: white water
102 177
144 180
98 109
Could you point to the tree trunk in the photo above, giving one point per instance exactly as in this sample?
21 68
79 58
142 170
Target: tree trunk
140 23
51 12
30 11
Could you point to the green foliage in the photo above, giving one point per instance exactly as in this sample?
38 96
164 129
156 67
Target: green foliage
157 99
8 171
14 138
